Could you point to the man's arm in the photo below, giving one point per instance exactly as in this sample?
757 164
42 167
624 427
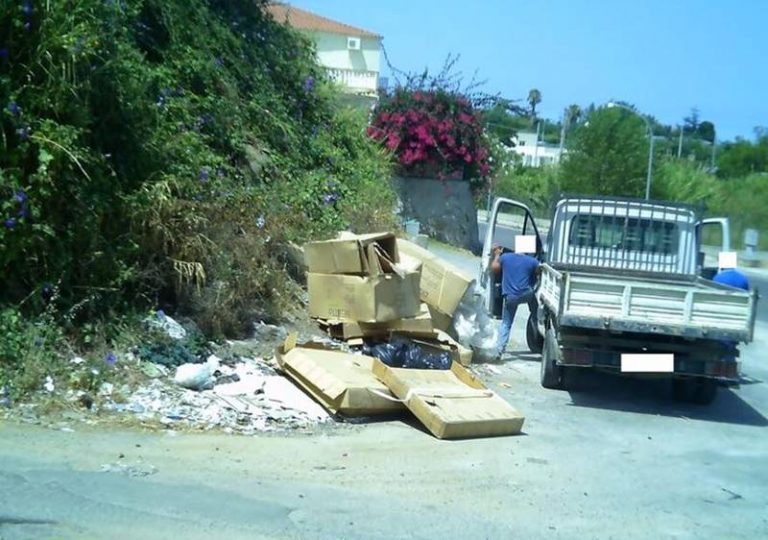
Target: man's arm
496 263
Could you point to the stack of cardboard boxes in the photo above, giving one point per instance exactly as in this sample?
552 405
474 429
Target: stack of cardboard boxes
372 287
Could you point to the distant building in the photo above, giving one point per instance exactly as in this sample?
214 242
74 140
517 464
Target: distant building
534 152
350 55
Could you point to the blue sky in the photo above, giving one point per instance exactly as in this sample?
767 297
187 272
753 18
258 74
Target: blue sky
663 56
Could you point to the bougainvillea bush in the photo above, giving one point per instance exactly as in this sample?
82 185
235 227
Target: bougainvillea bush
433 133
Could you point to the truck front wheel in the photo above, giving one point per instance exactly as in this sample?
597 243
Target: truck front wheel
551 373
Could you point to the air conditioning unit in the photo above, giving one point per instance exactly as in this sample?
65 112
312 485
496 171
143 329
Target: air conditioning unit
353 43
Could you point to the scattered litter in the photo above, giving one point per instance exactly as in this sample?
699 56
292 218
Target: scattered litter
106 389
77 360
163 322
134 471
48 385
259 400
153 371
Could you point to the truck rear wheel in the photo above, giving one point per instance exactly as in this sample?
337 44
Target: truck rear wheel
698 390
532 337
551 373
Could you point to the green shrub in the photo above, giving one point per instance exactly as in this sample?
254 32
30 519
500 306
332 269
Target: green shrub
161 151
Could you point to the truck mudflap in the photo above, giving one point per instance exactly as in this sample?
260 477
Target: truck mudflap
726 370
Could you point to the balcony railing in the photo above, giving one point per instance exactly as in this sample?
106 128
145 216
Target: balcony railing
355 80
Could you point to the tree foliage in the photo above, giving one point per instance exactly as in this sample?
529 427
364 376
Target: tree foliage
607 154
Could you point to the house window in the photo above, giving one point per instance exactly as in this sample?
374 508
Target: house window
521 143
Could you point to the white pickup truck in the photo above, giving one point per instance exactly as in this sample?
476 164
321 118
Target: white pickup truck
621 289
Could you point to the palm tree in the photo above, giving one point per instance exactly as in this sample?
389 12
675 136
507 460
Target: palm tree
534 98
572 114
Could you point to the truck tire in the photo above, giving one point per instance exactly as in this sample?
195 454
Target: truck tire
532 337
551 373
697 390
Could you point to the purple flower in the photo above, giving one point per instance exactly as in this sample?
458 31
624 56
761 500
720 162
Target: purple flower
10 223
14 108
20 196
24 211
203 175
261 222
309 84
26 8
111 359
23 133
160 315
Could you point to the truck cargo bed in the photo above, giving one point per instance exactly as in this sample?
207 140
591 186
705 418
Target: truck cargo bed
677 306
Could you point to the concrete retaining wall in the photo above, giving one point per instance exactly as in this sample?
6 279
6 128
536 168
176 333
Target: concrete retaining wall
444 208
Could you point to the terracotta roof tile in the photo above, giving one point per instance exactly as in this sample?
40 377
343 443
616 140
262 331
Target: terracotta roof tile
304 20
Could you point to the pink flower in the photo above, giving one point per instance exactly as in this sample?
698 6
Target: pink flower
393 141
466 118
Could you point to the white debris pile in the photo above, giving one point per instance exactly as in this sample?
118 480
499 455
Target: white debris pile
473 326
246 398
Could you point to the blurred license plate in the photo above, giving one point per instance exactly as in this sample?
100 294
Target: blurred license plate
648 363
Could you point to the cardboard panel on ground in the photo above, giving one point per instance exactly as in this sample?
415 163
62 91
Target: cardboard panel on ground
350 330
451 404
442 284
381 298
352 254
342 382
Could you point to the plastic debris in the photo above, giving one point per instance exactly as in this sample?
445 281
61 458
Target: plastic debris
406 354
163 322
473 326
197 376
48 385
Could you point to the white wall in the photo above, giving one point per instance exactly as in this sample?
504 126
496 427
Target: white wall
332 52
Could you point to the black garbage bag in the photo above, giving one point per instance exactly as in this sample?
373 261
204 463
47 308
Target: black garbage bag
406 354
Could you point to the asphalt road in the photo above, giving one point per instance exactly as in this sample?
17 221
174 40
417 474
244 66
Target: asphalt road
611 458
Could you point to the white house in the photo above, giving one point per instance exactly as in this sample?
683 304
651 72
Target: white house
350 55
534 152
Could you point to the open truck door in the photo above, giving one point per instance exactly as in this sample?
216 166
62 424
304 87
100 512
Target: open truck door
714 237
509 220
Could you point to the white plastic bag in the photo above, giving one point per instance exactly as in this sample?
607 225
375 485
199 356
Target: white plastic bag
197 376
473 326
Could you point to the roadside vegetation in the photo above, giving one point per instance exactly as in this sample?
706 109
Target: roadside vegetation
162 155
607 153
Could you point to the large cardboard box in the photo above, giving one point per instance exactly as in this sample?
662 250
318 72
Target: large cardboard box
451 403
342 382
440 321
422 323
367 254
442 284
380 298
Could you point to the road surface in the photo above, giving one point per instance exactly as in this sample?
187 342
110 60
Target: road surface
613 458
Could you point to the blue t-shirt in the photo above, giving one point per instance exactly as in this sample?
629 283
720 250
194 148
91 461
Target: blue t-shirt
517 274
732 277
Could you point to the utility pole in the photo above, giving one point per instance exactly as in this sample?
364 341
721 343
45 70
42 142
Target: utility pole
536 148
564 126
714 144
680 144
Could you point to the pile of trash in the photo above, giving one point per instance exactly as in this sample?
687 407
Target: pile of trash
393 304
246 398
